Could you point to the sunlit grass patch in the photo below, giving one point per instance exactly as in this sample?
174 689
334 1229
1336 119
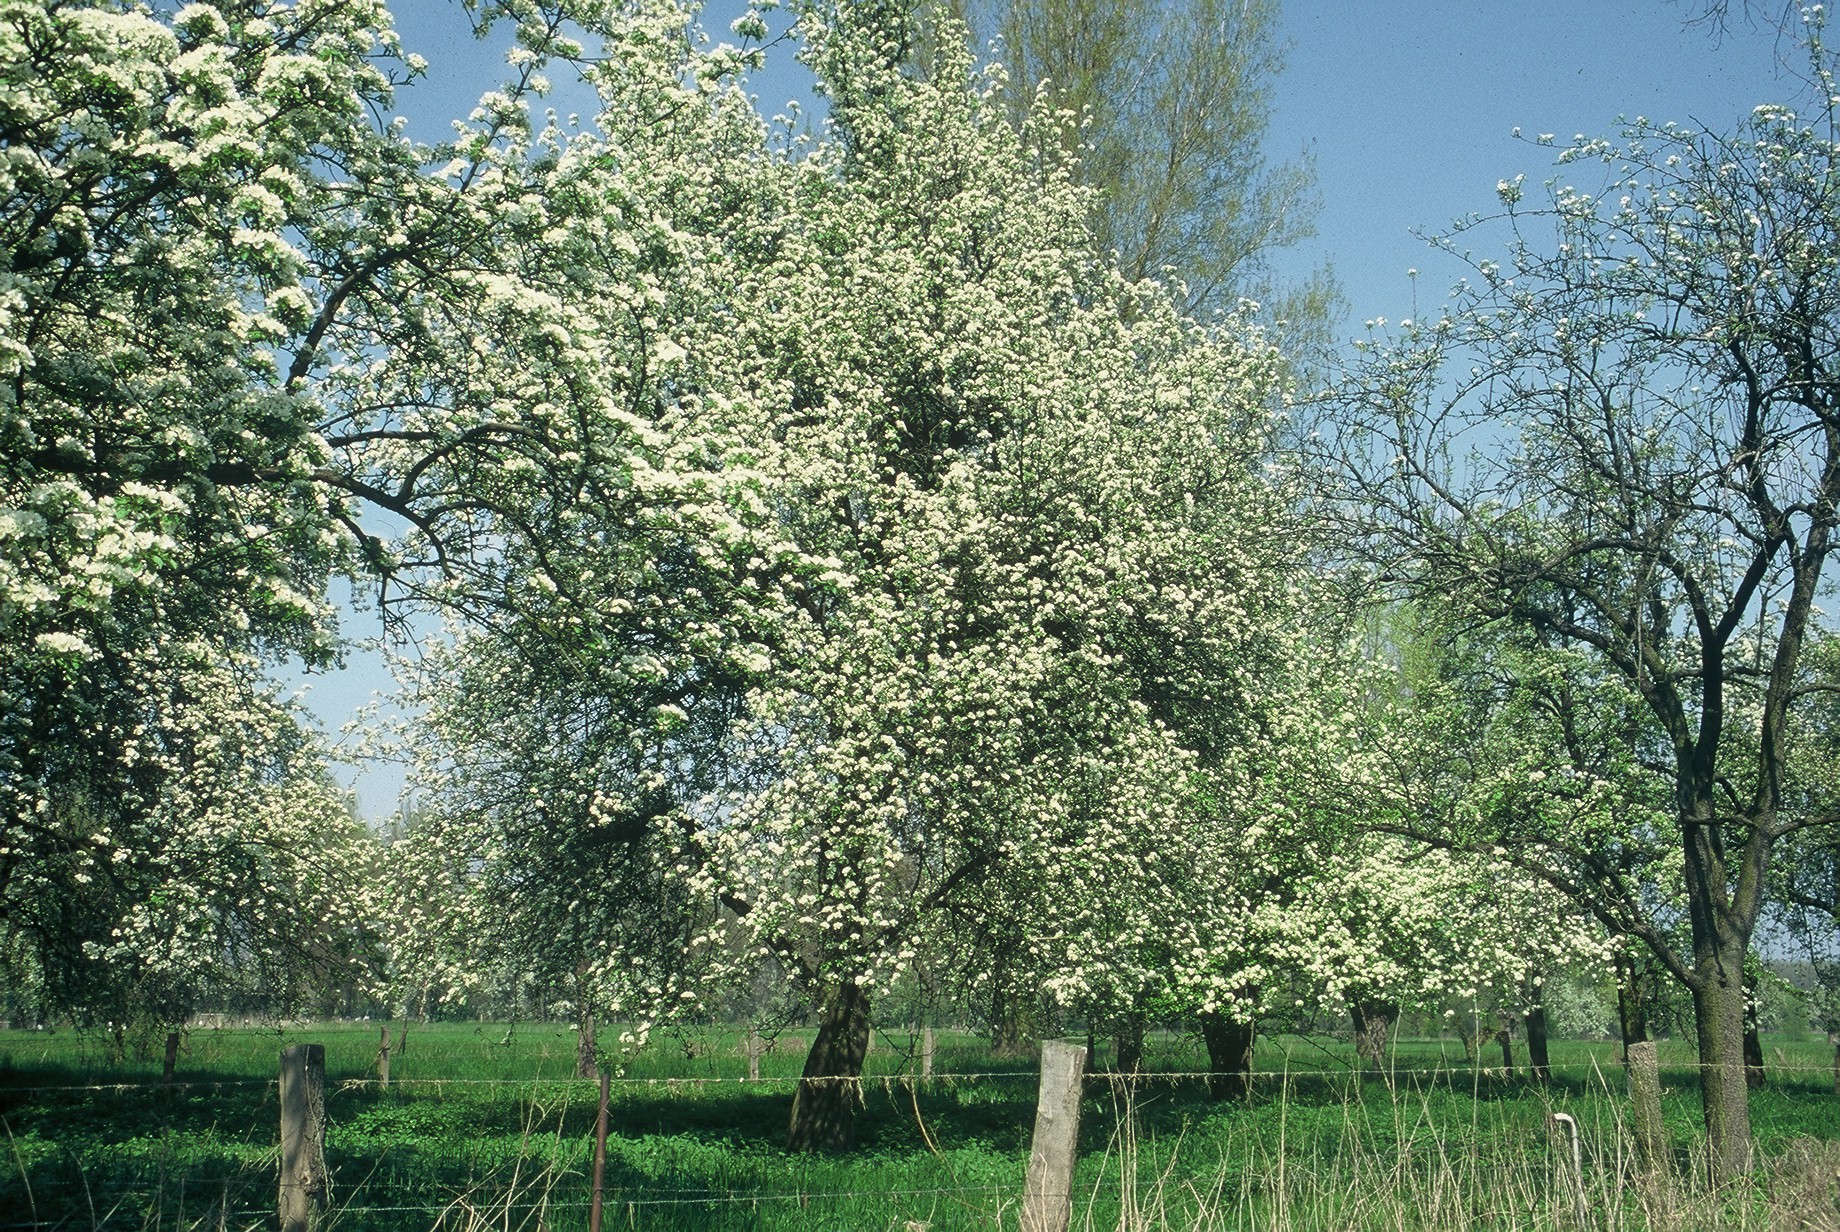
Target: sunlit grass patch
485 1125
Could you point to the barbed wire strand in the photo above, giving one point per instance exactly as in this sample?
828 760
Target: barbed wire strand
1402 1070
614 1199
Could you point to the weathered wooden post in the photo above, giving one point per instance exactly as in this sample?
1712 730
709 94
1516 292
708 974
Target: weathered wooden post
172 1059
1645 1106
753 1054
600 1156
383 1057
305 1186
926 1052
1047 1204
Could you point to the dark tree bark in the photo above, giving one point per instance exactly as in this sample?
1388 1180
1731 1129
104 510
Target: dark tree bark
587 1061
1631 1004
1718 1011
1505 1037
824 1105
1537 1062
1128 1042
1470 1032
1010 1024
1373 1027
1754 1076
1230 1044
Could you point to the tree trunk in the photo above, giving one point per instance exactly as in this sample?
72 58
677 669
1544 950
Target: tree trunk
1373 1026
1537 1063
1010 1033
586 1062
824 1105
1505 1037
1753 1037
1718 1013
1470 1032
1754 1077
1631 1004
1229 1044
1128 1042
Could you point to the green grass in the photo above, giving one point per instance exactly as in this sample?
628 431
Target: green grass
485 1126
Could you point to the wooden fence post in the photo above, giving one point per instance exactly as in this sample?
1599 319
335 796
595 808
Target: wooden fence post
926 1052
383 1057
1047 1203
304 1184
1645 1106
172 1058
753 1054
600 1157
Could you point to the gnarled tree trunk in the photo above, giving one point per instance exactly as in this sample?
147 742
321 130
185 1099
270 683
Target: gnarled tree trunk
1373 1025
1011 1023
824 1105
1229 1043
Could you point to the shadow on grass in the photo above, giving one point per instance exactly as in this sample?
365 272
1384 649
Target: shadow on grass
948 1154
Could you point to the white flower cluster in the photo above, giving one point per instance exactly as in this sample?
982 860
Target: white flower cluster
930 596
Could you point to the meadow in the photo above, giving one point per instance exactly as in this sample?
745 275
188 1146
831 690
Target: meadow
483 1126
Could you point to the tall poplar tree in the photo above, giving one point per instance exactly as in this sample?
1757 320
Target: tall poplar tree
1167 108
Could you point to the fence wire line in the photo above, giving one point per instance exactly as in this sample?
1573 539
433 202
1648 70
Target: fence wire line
1405 1070
614 1199
684 1197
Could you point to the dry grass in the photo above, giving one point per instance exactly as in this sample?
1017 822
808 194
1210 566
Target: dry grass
1432 1178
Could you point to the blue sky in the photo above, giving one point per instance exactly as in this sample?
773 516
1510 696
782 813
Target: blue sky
1407 106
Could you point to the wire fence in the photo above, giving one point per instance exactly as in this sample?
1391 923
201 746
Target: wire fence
533 1175
480 1209
940 1078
